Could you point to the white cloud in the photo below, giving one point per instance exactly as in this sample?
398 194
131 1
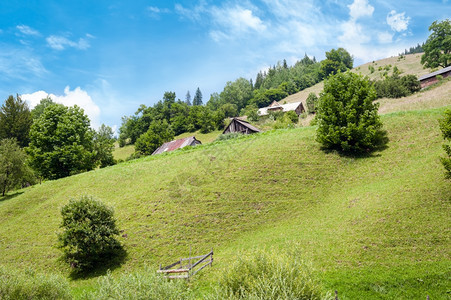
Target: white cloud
385 37
397 21
192 14
360 8
26 30
237 20
77 97
61 43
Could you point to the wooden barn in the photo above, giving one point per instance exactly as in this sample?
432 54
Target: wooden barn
237 125
177 144
297 107
431 78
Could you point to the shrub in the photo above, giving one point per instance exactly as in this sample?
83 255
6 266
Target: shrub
291 116
29 285
140 285
268 276
397 87
347 117
89 234
229 136
312 102
445 126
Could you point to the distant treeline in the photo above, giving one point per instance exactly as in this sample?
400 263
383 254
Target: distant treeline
412 50
239 97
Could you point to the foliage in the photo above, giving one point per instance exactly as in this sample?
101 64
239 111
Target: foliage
397 87
158 133
188 98
251 111
197 100
445 127
347 117
263 98
291 116
145 284
229 136
15 120
37 111
238 92
89 234
312 102
269 275
412 50
61 142
15 285
104 146
336 60
437 49
13 168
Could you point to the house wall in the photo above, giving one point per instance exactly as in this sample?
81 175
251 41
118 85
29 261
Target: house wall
429 81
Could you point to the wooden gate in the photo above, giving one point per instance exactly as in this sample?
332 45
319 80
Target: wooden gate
187 266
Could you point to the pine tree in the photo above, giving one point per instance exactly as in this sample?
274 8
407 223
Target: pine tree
15 120
197 97
188 99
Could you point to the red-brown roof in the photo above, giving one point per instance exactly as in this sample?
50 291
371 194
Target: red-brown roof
176 144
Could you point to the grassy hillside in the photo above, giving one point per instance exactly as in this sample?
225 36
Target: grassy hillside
371 227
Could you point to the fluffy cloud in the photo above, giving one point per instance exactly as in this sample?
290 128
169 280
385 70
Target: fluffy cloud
237 20
360 8
77 97
61 43
397 21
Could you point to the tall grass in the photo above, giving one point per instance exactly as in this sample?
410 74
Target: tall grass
269 275
144 284
30 285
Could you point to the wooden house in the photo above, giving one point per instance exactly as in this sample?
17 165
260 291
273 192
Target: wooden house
240 126
431 78
177 144
297 107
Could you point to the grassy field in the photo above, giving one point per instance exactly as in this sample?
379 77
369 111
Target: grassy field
375 227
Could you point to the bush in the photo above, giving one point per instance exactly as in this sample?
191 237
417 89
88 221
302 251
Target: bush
347 117
397 87
291 116
445 126
89 236
29 285
229 136
312 102
139 285
268 276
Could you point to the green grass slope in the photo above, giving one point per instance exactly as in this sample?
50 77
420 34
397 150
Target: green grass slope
373 227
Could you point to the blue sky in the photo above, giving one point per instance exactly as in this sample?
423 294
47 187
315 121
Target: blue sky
111 56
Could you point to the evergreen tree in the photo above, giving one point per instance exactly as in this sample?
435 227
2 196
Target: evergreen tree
197 97
15 120
188 98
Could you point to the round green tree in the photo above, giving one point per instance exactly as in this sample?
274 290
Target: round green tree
89 234
347 117
437 49
158 133
61 142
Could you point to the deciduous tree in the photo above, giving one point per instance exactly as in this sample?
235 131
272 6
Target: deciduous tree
12 165
445 126
437 49
61 142
347 117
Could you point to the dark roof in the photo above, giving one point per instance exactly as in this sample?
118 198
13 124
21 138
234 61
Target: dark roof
444 70
176 144
244 123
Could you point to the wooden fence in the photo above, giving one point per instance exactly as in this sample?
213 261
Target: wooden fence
190 266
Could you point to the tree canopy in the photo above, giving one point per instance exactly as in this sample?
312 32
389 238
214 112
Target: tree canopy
13 166
437 49
347 117
15 120
336 60
445 126
61 142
